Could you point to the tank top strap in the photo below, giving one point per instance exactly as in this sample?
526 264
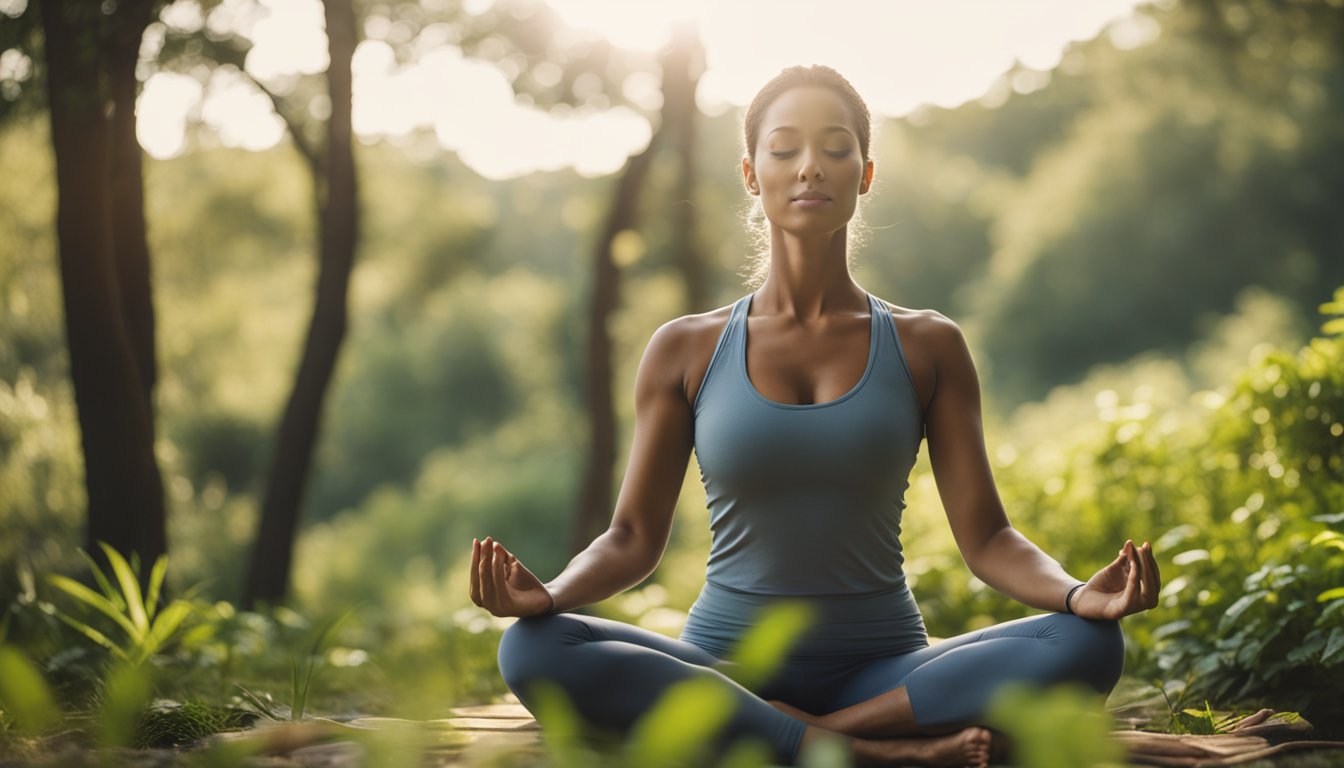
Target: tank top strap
729 347
889 351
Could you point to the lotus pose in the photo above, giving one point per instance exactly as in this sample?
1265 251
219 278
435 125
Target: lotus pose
806 402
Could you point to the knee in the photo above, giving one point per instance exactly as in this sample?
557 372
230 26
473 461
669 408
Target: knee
527 647
1096 648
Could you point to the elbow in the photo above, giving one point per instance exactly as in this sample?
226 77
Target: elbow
643 549
981 554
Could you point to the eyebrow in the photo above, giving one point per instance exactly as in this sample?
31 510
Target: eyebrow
827 129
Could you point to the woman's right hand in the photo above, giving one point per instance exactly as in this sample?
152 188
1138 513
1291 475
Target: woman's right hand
502 585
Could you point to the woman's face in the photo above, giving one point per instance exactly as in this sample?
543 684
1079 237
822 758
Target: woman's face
808 144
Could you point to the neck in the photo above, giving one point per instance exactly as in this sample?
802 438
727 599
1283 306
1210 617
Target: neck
809 277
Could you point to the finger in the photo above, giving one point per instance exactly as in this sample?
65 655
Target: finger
488 594
1141 565
1154 576
501 583
475 575
1131 587
1145 577
505 556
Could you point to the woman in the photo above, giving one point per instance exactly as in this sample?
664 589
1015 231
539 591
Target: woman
806 402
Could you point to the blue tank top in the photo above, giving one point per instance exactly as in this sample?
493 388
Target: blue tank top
805 501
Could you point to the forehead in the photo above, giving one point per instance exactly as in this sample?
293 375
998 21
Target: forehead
807 109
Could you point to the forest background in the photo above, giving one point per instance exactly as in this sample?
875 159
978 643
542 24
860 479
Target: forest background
1142 244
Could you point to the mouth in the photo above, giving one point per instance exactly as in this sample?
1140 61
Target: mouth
811 197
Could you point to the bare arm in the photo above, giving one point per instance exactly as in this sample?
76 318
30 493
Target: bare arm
631 548
997 553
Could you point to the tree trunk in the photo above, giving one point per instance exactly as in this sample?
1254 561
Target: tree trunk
125 491
682 66
129 241
594 513
337 193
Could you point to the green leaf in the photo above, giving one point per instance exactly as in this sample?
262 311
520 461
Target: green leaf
562 726
1328 540
1334 646
1330 594
130 587
24 694
112 594
92 599
685 718
126 694
762 649
168 622
1235 610
1031 717
94 635
155 582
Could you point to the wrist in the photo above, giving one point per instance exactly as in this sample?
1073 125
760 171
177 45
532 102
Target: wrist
1068 598
550 594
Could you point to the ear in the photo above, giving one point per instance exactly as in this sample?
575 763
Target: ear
867 182
749 176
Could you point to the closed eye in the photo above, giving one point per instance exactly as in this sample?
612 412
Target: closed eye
841 153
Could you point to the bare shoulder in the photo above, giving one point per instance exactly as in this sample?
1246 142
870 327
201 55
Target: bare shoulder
929 330
931 343
680 349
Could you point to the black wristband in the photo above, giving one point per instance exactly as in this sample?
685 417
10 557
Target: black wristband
1069 596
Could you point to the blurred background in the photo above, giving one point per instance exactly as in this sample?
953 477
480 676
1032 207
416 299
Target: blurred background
337 287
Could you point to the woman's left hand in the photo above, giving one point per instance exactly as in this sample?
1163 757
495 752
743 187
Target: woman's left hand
1128 585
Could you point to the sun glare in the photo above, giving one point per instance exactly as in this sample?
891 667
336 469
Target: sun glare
900 54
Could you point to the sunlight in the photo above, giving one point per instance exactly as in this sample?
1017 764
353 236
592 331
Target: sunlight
641 25
900 55
170 98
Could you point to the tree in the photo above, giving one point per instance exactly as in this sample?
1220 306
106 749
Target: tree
336 187
679 62
91 56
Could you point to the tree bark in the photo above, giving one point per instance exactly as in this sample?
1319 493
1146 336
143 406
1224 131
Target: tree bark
337 195
130 244
595 503
125 491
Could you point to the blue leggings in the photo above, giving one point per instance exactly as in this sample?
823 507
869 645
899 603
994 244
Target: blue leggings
613 672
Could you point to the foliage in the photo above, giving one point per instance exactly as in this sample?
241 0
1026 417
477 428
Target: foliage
26 702
1059 727
1334 310
168 723
300 681
147 630
1277 631
126 693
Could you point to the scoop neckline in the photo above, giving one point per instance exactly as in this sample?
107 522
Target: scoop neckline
867 371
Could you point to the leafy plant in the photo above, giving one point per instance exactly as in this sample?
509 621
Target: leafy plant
302 675
26 702
1062 726
146 629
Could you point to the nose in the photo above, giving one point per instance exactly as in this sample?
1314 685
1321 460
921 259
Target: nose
810 165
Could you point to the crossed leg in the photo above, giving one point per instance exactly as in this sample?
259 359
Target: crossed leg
948 685
614 672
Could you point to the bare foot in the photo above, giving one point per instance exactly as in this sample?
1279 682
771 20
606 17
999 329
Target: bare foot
969 746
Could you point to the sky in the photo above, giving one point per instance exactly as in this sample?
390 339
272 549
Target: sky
899 54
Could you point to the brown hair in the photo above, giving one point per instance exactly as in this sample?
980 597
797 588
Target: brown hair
794 77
